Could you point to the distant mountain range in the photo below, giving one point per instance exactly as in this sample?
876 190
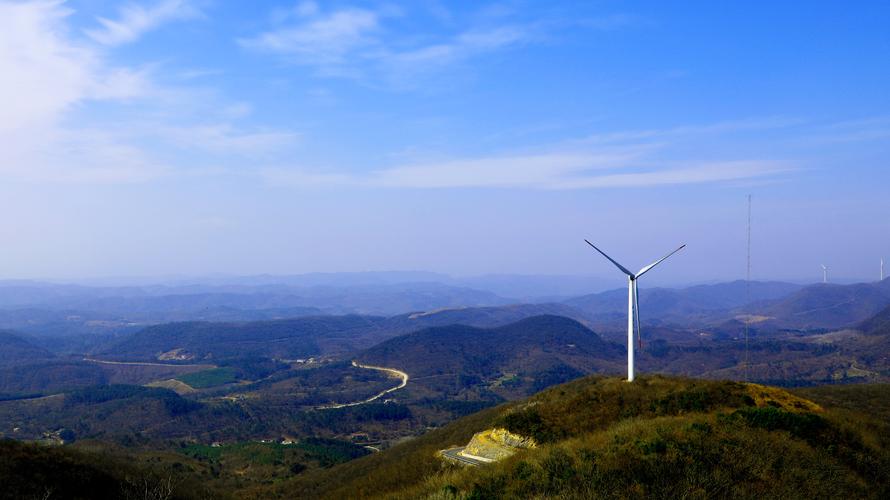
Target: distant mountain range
693 300
771 306
268 321
162 303
50 309
516 287
529 346
518 348
827 306
696 306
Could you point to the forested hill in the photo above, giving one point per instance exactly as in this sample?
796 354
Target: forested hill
529 346
15 349
879 324
303 336
287 339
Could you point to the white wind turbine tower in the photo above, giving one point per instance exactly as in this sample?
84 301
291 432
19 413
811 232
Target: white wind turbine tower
824 274
633 303
882 269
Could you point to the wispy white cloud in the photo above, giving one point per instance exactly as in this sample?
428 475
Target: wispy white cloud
358 43
327 41
380 46
46 76
695 173
408 68
82 156
724 127
306 178
134 20
569 166
459 47
42 75
51 80
533 170
556 171
867 129
225 138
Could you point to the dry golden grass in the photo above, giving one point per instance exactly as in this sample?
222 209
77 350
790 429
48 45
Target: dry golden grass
780 398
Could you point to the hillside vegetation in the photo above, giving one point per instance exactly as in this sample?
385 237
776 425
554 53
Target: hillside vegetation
532 353
49 377
44 472
658 437
877 324
304 336
15 350
288 339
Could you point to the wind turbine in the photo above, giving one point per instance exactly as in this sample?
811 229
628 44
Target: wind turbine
824 274
882 269
633 303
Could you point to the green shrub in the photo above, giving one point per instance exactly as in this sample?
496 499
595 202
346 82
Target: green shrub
801 425
527 422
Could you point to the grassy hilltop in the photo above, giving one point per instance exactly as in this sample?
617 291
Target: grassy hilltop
658 437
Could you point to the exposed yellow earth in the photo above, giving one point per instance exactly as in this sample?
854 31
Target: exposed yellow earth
488 446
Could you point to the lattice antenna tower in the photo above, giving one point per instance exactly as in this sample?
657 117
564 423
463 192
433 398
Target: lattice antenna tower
748 288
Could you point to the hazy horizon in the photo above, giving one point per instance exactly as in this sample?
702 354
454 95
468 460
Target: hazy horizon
192 137
576 284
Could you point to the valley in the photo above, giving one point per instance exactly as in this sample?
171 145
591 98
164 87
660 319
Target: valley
246 405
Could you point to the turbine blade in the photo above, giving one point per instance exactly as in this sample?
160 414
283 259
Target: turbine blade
619 266
637 314
659 261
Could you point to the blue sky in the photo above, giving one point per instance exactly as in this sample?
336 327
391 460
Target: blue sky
179 137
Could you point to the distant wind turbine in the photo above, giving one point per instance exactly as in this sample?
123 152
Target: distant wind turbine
882 269
824 274
633 303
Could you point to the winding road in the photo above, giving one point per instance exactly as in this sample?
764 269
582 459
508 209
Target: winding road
391 371
402 376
